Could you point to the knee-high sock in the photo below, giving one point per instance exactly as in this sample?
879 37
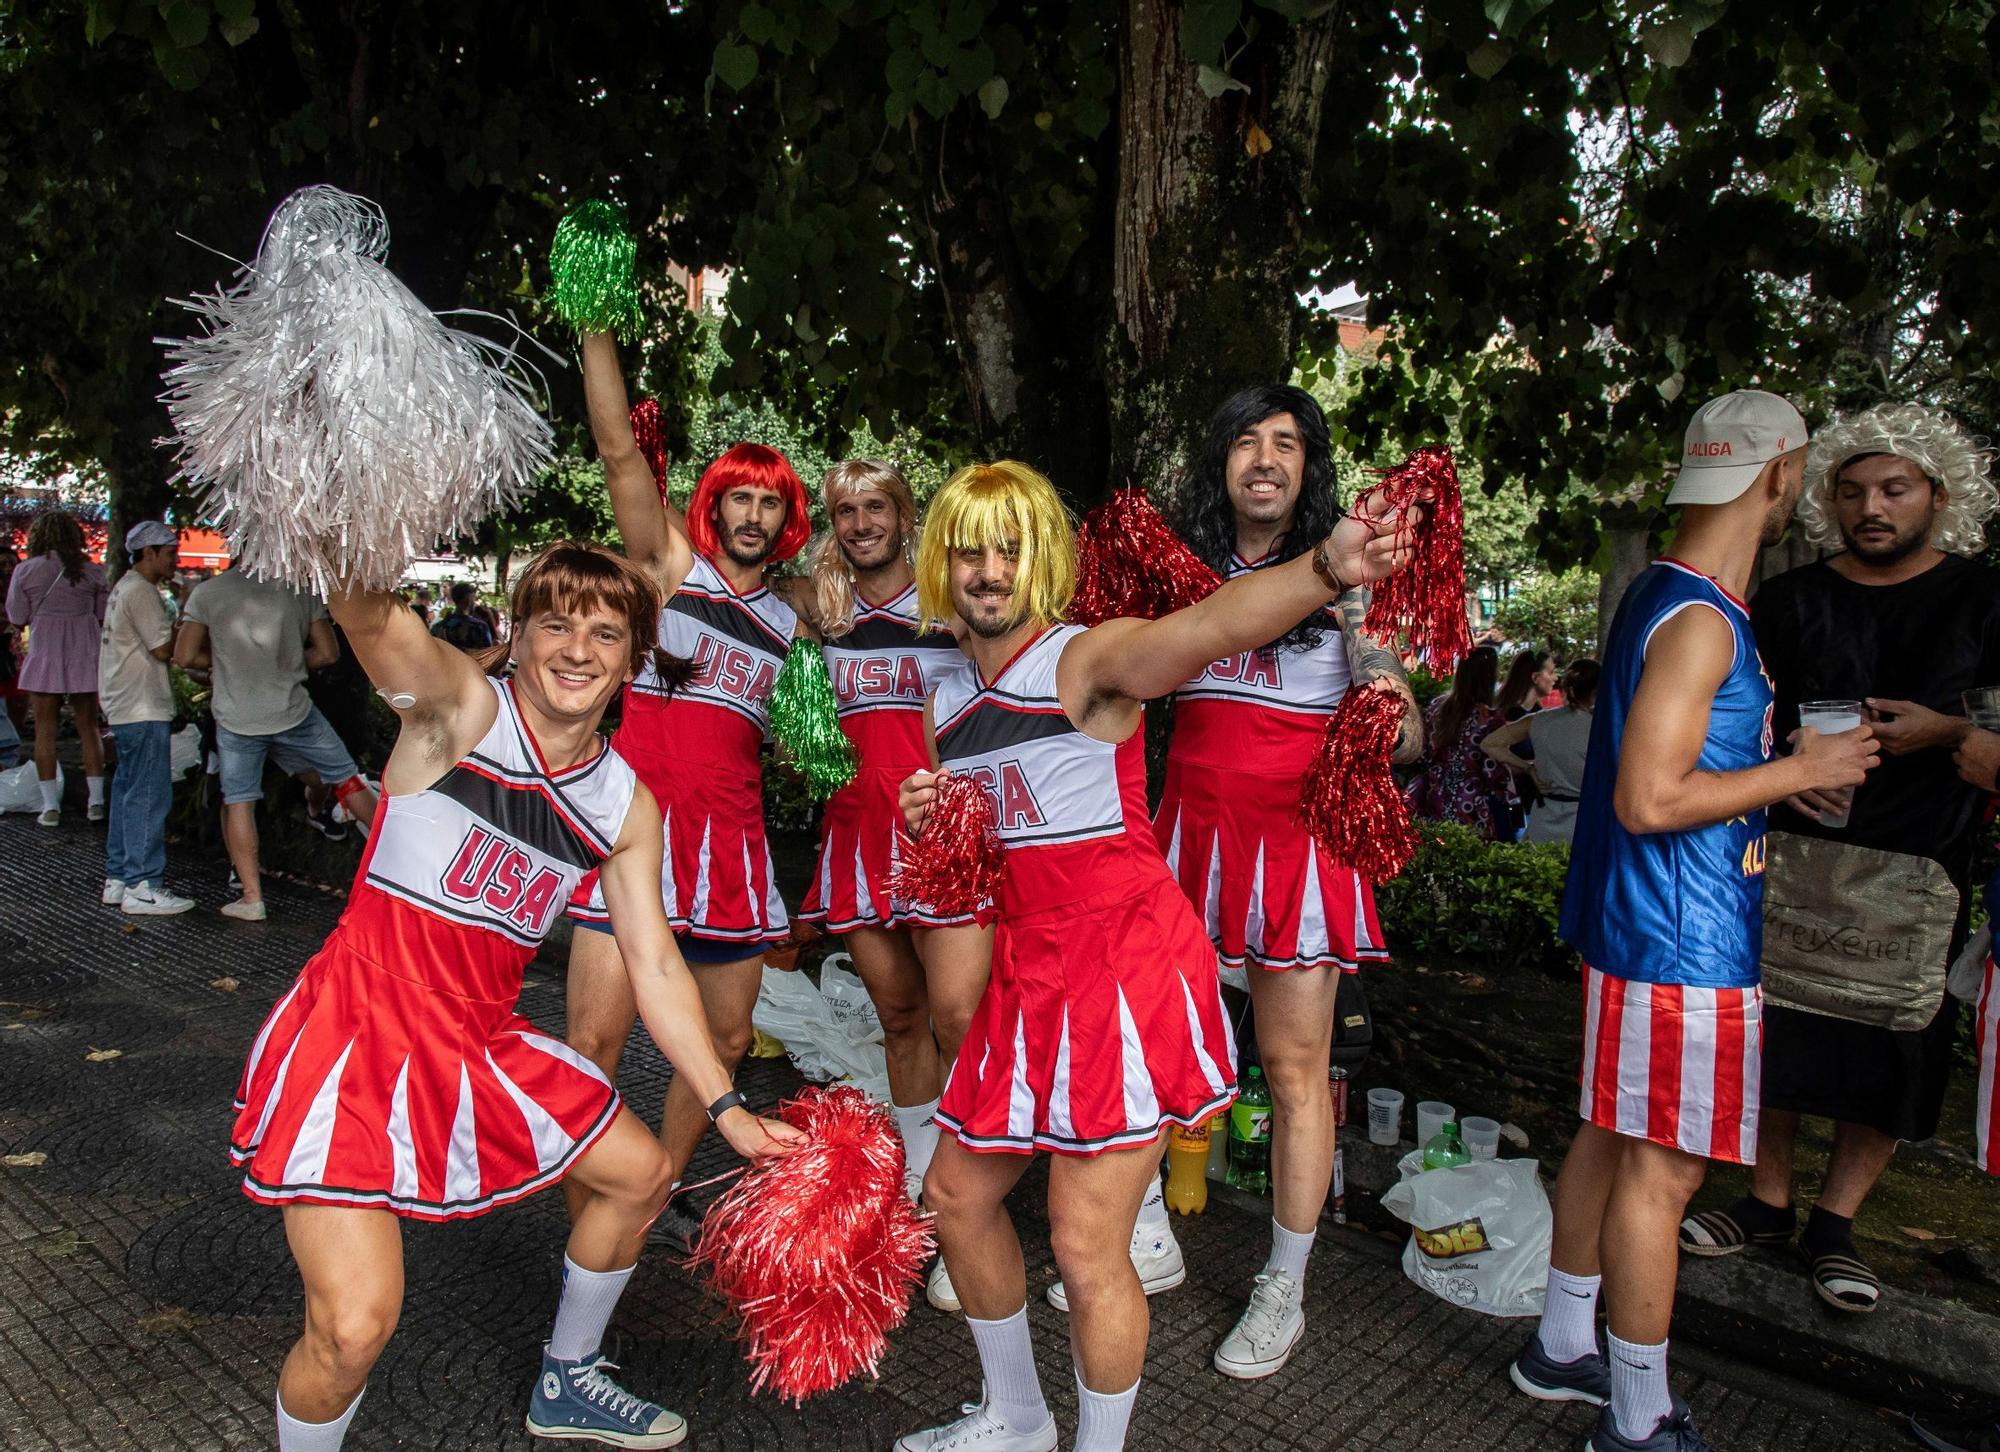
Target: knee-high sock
1007 1361
297 1436
588 1299
920 1134
1102 1417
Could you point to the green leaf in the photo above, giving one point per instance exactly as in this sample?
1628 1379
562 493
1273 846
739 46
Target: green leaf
234 11
1510 17
186 22
1205 27
184 69
735 65
1668 43
1486 60
1215 83
993 97
238 31
757 24
99 23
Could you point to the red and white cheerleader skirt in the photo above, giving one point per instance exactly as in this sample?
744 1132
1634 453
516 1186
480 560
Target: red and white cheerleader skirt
1986 1035
1101 1025
1264 889
861 841
371 1088
1675 1064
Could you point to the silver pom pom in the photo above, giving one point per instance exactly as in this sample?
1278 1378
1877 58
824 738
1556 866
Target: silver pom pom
335 426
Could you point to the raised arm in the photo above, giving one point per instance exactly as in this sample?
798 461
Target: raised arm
1661 784
423 679
655 538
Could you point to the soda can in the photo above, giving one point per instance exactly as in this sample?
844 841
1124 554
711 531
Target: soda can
1336 1083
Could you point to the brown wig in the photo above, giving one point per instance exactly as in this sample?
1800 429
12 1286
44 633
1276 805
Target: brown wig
568 576
56 532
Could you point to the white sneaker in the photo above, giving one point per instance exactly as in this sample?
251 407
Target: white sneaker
96 812
144 899
979 1431
244 910
1156 1256
938 1289
114 892
1270 1328
52 817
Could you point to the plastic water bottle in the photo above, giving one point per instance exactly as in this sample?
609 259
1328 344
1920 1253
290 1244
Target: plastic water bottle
1250 1135
1187 1164
1446 1149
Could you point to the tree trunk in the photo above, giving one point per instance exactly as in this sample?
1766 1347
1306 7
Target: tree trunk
1628 543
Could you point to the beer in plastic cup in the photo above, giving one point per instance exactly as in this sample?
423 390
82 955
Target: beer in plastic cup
1831 718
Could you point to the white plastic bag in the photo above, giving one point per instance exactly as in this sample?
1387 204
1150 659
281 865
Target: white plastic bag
21 789
1479 1233
790 1009
1968 970
847 997
183 752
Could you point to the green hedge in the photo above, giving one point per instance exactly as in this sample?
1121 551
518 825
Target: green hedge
1493 903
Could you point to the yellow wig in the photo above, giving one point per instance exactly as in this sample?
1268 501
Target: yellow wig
1004 505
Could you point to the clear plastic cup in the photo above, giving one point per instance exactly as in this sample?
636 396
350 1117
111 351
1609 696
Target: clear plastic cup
1432 1116
1481 1136
1385 1116
1982 707
1831 718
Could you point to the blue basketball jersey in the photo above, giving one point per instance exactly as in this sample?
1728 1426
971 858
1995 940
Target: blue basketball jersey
1671 907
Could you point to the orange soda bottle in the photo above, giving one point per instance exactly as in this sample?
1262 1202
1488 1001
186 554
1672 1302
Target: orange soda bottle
1187 1168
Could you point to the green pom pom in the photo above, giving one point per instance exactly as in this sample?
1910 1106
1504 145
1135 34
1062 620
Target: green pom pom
596 287
805 720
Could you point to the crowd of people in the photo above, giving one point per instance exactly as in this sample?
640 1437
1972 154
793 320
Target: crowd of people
1078 1013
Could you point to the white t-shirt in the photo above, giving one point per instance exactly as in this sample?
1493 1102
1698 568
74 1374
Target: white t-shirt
257 633
132 684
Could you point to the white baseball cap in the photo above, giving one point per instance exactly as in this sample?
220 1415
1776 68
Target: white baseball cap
145 534
1729 442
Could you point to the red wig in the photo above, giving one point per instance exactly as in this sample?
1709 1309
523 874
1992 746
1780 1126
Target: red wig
754 466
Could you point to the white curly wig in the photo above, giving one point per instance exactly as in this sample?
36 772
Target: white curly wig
1928 438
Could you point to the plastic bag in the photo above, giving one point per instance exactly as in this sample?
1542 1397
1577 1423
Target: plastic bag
21 789
822 1047
183 752
847 996
1479 1233
1968 970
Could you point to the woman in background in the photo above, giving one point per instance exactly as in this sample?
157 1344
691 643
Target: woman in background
1560 739
1460 783
59 596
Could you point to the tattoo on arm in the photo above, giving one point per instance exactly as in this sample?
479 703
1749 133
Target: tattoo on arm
1368 661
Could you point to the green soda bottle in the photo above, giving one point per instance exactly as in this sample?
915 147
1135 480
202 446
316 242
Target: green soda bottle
1446 1149
1250 1135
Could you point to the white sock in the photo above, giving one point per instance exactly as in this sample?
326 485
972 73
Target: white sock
1639 1396
1007 1361
588 1299
95 786
1153 1209
1289 1249
297 1436
51 793
1101 1417
920 1134
1569 1316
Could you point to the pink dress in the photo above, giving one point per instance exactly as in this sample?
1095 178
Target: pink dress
64 618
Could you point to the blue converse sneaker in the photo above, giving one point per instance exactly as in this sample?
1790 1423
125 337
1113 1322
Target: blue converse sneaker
577 1399
1587 1379
1674 1433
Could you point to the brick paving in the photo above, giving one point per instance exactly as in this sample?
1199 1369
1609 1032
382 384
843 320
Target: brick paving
146 1304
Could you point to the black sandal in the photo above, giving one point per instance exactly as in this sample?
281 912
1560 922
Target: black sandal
1843 1282
1723 1232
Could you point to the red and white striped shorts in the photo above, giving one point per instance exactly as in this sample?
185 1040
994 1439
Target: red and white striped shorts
1986 1034
1675 1064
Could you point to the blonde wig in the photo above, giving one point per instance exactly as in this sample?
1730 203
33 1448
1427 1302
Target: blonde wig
831 575
1956 462
1009 506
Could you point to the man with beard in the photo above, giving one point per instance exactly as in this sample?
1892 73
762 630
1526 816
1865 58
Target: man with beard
1245 731
1663 904
1901 620
1102 1022
694 735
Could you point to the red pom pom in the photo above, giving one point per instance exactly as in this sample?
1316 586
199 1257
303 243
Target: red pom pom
1425 602
1348 798
1129 562
652 436
956 865
818 1252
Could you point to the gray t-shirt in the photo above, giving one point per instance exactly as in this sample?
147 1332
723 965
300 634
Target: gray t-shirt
257 633
132 683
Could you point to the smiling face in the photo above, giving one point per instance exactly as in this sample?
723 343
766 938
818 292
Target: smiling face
1266 464
1885 506
866 523
570 659
748 521
982 588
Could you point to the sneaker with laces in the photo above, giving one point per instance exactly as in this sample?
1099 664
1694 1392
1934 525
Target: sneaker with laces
325 823
1268 1331
114 892
244 910
578 1399
142 899
938 1289
1156 1256
1534 1371
50 818
1675 1432
980 1430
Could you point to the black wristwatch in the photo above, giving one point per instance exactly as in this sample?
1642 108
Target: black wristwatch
732 1100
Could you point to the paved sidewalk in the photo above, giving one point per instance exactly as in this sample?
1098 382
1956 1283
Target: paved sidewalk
145 1304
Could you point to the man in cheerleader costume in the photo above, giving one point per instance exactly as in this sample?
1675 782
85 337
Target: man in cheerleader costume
693 729
1277 908
923 970
1102 1022
395 1078
1664 904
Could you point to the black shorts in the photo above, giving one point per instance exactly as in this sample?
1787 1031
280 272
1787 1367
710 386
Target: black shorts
1889 1081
